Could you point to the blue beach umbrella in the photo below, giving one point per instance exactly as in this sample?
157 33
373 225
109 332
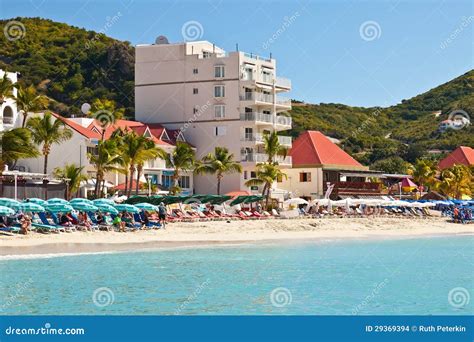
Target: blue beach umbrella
83 206
58 208
10 203
81 200
106 208
6 211
36 201
146 206
57 201
103 201
128 208
31 207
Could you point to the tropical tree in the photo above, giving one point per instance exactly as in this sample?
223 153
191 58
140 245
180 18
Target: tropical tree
17 144
6 88
456 181
181 159
106 159
29 101
219 163
138 149
266 174
272 146
47 131
424 172
74 174
105 113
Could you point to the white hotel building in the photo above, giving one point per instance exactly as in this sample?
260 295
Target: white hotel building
8 111
216 99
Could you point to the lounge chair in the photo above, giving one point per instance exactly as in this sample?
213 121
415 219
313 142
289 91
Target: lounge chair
46 225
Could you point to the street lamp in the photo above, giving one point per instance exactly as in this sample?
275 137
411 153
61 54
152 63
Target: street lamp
148 177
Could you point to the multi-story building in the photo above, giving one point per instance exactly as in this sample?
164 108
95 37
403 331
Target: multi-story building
216 99
8 110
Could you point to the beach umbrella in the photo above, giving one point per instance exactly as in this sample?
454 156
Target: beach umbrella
58 208
321 201
57 201
137 199
6 211
106 208
253 198
220 199
295 201
81 200
31 207
10 203
35 200
103 201
83 206
146 206
128 208
239 200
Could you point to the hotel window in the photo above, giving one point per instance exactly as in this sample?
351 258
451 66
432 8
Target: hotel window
253 174
195 71
245 174
221 130
92 150
195 110
195 91
219 71
183 182
219 91
305 177
206 54
219 111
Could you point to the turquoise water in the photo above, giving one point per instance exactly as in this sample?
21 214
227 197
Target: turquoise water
412 276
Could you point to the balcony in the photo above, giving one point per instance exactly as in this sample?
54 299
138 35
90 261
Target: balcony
258 138
285 141
285 121
283 102
269 119
256 57
354 188
257 97
263 158
282 82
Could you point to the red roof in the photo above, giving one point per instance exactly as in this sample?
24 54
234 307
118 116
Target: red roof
78 128
314 149
462 155
238 193
121 186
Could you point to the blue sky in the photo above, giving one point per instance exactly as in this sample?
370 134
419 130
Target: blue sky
361 53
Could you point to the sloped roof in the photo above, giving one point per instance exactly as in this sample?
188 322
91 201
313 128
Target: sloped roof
86 132
314 149
462 155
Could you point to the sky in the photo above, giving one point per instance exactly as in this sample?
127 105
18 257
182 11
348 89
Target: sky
360 53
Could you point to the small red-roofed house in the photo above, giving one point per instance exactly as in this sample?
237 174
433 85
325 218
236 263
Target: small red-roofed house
463 155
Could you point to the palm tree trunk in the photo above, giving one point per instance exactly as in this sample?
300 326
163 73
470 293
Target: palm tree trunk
132 169
24 120
126 183
219 177
137 186
96 186
45 165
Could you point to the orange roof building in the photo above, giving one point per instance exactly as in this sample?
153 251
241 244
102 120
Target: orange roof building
463 155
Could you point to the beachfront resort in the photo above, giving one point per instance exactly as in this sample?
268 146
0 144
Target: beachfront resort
207 144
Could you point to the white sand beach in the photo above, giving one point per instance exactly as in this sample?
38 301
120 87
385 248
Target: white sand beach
228 233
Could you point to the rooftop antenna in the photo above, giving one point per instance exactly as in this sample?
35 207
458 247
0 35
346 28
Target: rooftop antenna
85 108
213 48
237 47
270 55
161 40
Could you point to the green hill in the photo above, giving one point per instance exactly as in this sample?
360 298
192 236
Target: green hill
72 66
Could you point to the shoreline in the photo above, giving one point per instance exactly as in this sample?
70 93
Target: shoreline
234 233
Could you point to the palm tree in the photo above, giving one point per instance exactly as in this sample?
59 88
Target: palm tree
74 174
266 175
424 172
47 131
29 101
6 88
219 163
272 146
138 149
181 159
17 144
105 113
107 159
456 181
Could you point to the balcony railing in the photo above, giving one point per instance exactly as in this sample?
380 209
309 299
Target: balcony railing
283 102
283 120
267 118
355 187
283 82
256 57
258 138
254 96
284 140
7 120
263 158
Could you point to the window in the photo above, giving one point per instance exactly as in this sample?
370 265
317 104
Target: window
195 91
219 111
305 176
245 174
221 130
92 150
183 182
195 110
206 54
195 71
219 71
253 174
166 181
219 91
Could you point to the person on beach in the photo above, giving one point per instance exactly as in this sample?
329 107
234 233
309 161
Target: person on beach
83 221
25 225
118 223
162 214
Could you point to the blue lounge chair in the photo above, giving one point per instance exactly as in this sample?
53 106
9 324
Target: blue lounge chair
151 223
46 225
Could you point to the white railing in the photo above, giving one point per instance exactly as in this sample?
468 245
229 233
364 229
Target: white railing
256 57
283 102
283 120
263 158
252 116
253 137
284 140
283 82
254 96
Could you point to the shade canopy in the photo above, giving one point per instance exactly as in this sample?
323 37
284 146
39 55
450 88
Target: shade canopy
10 203
146 206
246 199
81 200
408 183
31 207
57 201
295 201
83 206
103 207
35 200
129 208
58 208
103 201
6 211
